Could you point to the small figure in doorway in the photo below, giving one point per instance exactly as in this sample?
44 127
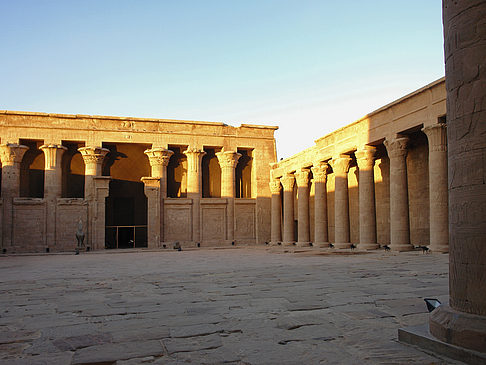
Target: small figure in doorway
79 236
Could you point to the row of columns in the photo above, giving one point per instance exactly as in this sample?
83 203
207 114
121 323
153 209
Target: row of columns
97 188
399 208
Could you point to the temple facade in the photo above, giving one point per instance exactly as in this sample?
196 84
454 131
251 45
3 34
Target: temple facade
381 180
135 182
131 182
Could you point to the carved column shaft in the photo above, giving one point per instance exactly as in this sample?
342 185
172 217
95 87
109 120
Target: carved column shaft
11 156
399 217
152 192
194 179
288 202
159 159
228 161
438 195
365 159
340 166
93 160
52 186
276 234
319 171
302 178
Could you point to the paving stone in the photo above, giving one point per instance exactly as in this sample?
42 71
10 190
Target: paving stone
110 353
191 344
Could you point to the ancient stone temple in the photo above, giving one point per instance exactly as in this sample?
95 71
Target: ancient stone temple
132 182
381 180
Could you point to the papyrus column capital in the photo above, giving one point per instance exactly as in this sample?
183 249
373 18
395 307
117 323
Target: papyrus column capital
365 157
158 156
288 182
319 172
340 165
53 154
396 147
437 137
228 159
93 159
302 178
275 186
194 158
12 153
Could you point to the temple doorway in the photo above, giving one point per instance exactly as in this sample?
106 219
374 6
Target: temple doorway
126 204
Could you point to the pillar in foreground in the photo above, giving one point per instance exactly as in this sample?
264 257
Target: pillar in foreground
276 233
288 207
11 156
319 172
228 161
438 195
156 192
340 167
93 161
52 186
365 159
399 218
463 323
194 183
302 179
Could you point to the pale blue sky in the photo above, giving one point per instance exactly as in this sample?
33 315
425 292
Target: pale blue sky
306 66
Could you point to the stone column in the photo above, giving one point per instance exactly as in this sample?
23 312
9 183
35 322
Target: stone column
302 178
152 192
399 218
464 322
276 233
11 156
93 160
159 159
365 158
228 161
438 195
288 208
52 186
319 171
194 179
340 167
97 212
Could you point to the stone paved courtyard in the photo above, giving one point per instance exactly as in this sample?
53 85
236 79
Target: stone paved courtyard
236 306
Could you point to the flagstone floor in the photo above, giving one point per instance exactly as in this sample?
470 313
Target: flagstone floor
231 306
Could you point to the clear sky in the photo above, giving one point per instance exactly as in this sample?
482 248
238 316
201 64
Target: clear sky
309 67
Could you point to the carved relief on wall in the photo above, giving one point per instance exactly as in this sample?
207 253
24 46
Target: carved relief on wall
245 221
214 223
28 224
177 223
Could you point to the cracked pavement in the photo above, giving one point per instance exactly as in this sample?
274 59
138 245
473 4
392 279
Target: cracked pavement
225 306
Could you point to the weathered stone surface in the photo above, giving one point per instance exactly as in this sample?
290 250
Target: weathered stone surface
246 306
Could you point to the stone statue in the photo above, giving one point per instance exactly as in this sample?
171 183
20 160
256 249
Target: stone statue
80 234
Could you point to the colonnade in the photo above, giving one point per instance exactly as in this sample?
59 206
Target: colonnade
97 189
399 204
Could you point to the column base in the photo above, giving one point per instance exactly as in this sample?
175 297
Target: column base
368 246
303 244
459 328
439 248
291 243
402 247
342 245
321 244
274 243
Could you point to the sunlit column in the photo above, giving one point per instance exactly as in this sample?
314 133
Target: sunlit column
276 233
302 179
399 217
194 180
438 195
340 167
11 156
288 181
228 161
319 172
365 159
52 186
93 160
